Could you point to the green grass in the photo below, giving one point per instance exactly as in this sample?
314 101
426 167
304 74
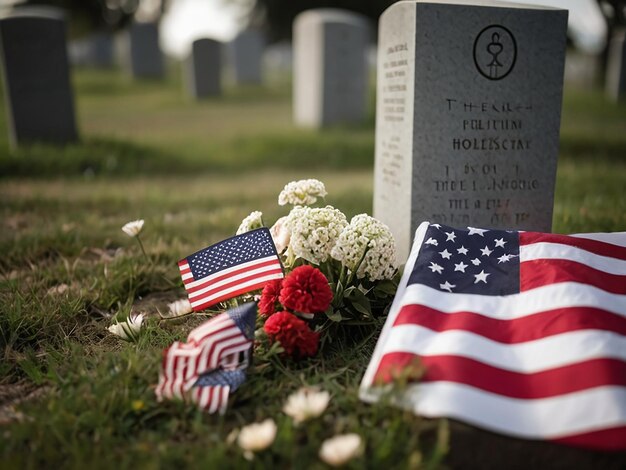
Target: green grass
71 395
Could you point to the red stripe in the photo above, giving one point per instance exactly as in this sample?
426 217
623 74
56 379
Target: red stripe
211 343
542 272
227 296
612 439
182 262
593 246
214 362
185 271
518 330
558 381
212 280
231 283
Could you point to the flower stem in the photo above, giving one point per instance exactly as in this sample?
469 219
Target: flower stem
142 248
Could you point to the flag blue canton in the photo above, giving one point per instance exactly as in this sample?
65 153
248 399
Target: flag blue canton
234 251
244 317
472 261
232 378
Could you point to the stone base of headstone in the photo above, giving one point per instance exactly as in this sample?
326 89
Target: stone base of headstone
330 67
35 69
616 67
203 70
468 115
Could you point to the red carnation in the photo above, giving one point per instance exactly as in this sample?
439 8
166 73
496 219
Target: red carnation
294 334
306 290
269 297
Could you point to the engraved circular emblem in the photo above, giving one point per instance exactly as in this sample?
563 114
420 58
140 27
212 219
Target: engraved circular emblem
495 52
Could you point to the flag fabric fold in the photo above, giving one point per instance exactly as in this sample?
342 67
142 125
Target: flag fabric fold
521 333
211 363
232 267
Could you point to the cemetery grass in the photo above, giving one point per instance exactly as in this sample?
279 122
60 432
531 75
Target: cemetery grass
72 395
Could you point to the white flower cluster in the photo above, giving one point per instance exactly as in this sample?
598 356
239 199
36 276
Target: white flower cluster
314 232
302 193
252 222
367 247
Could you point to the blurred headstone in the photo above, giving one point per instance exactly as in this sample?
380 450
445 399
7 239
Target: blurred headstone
95 50
616 67
278 61
143 55
35 68
330 67
582 70
203 69
246 52
468 115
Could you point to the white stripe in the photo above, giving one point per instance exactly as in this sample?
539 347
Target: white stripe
209 342
553 296
186 276
224 399
547 418
216 323
571 253
615 238
234 289
528 357
206 363
212 286
215 398
231 269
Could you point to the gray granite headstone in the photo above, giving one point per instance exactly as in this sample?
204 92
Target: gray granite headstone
330 67
33 57
246 53
144 56
616 67
468 115
203 69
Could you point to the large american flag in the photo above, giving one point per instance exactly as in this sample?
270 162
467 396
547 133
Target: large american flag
230 268
211 363
521 333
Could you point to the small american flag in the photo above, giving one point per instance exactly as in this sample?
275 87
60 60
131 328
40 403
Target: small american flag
522 333
230 268
211 364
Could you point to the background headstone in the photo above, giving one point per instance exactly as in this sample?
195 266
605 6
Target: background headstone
330 67
246 53
144 56
203 69
616 67
33 54
95 50
468 115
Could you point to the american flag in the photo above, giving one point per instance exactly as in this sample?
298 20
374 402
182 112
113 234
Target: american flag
211 364
521 333
230 268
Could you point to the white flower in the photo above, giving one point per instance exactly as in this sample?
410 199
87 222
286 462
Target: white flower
306 403
257 436
340 449
179 307
129 329
133 228
314 232
303 192
367 247
252 222
281 234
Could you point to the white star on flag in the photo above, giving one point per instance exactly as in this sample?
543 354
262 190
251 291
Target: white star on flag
460 267
432 241
475 261
500 242
486 251
451 236
481 277
476 231
445 254
434 267
462 250
505 258
446 286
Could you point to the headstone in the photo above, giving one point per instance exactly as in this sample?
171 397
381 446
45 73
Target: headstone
203 69
616 67
246 52
144 56
33 54
101 49
330 67
468 115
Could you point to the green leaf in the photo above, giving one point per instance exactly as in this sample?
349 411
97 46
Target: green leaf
334 315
